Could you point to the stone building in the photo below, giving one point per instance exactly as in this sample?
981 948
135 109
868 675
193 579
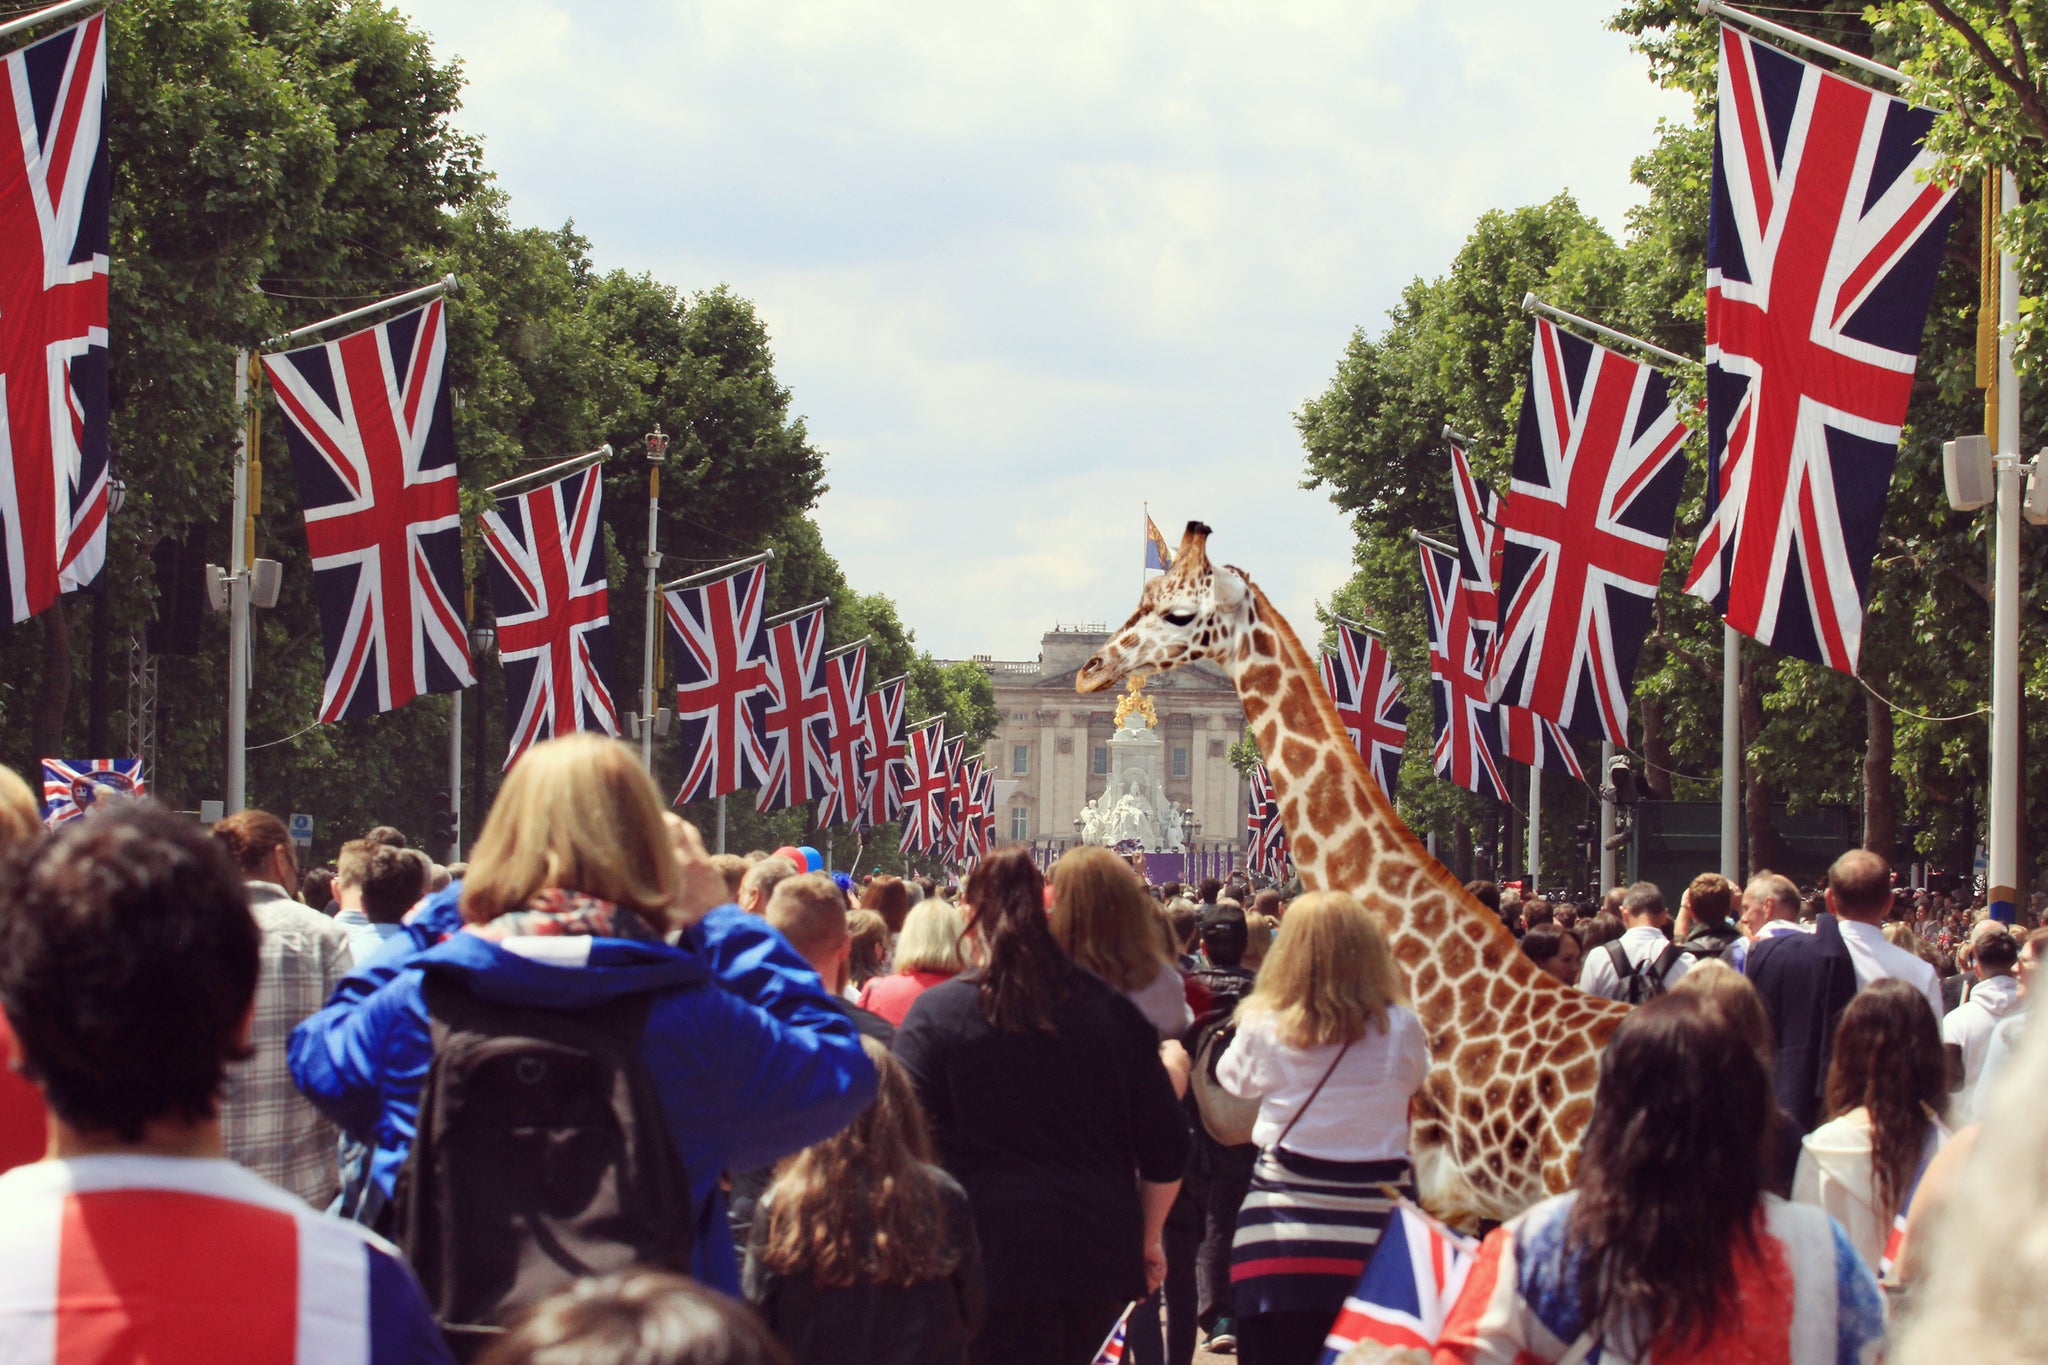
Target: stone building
1051 747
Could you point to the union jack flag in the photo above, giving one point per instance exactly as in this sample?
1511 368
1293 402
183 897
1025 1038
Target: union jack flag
1361 680
1528 738
1478 546
1584 529
53 299
1467 745
721 682
1408 1287
374 449
549 586
1111 1352
73 786
950 838
924 793
1822 248
977 822
846 683
793 721
1266 842
884 750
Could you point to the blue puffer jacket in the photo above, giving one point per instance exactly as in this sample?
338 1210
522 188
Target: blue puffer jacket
752 1059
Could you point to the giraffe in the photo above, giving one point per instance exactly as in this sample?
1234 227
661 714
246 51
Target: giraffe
1514 1054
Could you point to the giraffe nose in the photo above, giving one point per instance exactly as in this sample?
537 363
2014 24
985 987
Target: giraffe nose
1094 675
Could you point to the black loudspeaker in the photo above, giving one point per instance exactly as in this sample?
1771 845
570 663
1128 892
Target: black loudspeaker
180 598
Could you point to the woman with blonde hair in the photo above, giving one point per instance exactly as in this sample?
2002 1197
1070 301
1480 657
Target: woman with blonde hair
864 1252
1331 1053
1259 931
1103 916
928 951
573 888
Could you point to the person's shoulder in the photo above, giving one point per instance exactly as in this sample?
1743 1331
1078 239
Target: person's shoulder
276 915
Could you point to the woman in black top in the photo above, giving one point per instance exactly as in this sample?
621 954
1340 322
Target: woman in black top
1045 1090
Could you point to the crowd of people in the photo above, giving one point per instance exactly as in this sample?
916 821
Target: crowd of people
599 1097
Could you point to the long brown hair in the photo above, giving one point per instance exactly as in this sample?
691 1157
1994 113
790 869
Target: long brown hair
864 1206
1672 1174
1888 1059
1024 973
1103 918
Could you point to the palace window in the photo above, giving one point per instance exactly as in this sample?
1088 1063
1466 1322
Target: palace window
1020 759
1101 764
1020 822
1180 762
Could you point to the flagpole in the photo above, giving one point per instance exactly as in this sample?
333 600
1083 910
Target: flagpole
2002 843
561 469
236 795
1536 822
657 448
1606 824
455 774
1717 10
687 579
447 284
43 16
1532 304
1731 753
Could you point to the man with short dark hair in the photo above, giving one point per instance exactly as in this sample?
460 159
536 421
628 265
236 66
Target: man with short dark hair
376 884
1703 925
128 966
1643 962
1860 896
1211 888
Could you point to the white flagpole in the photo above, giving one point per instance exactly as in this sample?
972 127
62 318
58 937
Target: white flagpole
42 16
236 795
2002 870
1731 754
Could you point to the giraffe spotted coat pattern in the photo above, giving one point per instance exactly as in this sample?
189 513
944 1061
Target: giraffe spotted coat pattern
1515 1055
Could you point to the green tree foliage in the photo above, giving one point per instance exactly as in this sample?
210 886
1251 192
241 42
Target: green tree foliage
279 161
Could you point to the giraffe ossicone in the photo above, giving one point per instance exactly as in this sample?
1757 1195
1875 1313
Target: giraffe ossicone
1514 1053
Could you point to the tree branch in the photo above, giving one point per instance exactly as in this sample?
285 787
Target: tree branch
2029 97
2019 47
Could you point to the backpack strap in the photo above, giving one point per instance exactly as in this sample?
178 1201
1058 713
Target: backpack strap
1666 960
1618 955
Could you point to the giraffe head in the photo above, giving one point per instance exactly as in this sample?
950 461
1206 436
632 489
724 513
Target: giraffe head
1194 610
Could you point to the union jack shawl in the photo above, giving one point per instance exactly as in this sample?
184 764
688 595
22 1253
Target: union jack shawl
1822 248
373 446
53 318
549 587
1584 530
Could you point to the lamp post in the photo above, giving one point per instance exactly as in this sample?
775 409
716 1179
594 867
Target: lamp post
97 704
483 642
657 451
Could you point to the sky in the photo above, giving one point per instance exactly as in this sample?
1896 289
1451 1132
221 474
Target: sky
1026 268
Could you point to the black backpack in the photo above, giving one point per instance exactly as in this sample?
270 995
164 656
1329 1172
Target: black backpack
541 1156
1643 980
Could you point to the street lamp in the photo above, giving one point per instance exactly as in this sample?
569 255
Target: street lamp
483 640
657 451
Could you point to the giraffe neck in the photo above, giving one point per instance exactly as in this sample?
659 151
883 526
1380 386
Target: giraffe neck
1342 831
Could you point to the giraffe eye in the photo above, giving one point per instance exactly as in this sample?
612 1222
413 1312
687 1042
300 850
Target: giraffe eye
1179 618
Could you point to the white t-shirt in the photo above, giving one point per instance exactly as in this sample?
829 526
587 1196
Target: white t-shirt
1164 1000
1878 960
1362 1112
1645 941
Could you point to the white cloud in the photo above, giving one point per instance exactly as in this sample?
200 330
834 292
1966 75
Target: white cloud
1027 266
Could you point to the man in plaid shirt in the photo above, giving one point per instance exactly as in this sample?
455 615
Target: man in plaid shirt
268 1126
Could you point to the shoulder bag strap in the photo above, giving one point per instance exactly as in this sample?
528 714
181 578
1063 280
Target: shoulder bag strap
1281 1141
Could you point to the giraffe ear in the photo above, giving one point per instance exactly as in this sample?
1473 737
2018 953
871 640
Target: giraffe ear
1227 586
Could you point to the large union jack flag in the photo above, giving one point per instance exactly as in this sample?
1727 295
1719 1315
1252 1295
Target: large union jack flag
1409 1285
1822 248
924 792
373 446
53 318
1529 738
1362 681
1467 747
975 825
721 668
1265 837
885 749
846 683
792 723
549 586
1584 530
74 786
1478 546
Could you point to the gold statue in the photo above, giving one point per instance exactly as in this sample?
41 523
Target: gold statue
1134 699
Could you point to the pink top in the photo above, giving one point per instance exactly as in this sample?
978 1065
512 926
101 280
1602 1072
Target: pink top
890 996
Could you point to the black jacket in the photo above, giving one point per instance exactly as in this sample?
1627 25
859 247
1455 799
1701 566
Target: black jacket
1711 940
1806 981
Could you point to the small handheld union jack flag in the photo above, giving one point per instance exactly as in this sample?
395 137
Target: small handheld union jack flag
1585 526
372 441
53 317
74 786
1361 680
1408 1287
721 682
1112 1352
549 586
1822 244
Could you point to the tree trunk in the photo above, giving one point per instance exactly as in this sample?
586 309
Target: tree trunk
1880 814
1656 750
53 693
1461 850
1757 791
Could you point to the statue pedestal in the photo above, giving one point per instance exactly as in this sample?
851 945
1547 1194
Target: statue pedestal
1134 804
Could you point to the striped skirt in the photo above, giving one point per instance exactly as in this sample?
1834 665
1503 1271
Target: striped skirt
1306 1230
